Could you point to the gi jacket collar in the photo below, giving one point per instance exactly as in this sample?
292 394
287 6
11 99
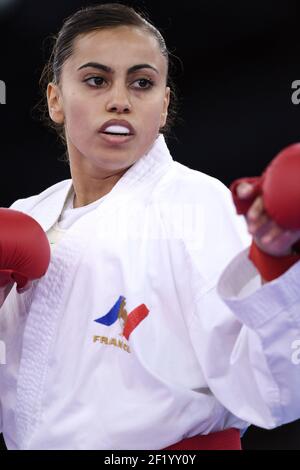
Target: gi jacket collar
47 206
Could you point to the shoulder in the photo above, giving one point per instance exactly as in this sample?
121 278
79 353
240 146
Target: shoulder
183 185
202 205
28 204
198 210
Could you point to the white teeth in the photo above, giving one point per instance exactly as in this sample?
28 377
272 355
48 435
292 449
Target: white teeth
117 130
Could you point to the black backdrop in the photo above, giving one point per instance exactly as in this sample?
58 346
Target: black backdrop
235 87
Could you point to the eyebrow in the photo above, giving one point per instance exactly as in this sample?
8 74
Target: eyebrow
107 69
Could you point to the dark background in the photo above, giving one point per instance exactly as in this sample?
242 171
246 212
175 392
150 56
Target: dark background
239 61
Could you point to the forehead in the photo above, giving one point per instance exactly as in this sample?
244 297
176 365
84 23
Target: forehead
117 47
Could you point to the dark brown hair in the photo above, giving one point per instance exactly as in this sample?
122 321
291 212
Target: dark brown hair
89 19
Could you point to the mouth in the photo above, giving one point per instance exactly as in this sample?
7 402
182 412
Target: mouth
116 139
116 132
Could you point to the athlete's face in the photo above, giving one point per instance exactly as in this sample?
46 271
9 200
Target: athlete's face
129 83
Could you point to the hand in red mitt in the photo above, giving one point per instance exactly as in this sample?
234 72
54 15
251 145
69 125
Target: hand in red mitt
24 251
271 204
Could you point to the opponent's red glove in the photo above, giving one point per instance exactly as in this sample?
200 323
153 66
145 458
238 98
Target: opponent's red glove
24 249
279 187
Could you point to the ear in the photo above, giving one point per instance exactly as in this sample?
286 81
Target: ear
55 107
164 114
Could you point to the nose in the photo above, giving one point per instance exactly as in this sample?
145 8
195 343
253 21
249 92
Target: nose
118 101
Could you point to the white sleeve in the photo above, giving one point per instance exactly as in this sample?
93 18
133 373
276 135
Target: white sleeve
271 315
246 336
250 371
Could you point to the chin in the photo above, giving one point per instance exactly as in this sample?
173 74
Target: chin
112 166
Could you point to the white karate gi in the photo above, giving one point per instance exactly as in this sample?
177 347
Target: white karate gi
161 239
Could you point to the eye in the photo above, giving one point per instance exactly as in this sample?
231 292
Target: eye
145 83
98 81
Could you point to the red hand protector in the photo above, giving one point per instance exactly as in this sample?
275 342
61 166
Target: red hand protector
243 205
280 189
24 248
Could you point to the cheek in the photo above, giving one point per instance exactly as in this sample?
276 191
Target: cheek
152 113
76 116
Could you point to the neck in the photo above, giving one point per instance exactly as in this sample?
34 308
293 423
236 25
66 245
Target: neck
90 186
